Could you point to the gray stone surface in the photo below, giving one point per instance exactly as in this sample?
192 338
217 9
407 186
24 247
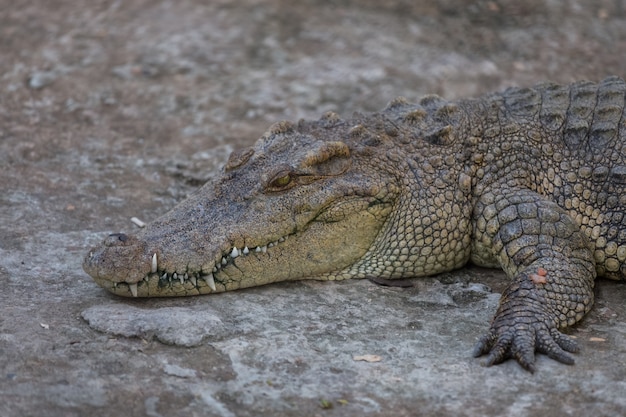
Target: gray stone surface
110 110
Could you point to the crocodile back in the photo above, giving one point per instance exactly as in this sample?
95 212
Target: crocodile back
589 118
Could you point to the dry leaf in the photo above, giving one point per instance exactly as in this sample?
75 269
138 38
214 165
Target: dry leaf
597 339
367 358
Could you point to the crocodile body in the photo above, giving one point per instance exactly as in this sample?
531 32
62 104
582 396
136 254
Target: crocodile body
530 180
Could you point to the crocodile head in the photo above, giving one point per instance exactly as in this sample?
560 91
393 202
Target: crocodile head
307 201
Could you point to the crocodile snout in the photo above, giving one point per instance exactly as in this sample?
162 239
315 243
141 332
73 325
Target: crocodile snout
120 258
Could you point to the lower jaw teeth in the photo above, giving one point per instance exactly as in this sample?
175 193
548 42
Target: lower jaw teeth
210 281
176 278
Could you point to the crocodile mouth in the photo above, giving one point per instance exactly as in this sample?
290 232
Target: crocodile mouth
207 280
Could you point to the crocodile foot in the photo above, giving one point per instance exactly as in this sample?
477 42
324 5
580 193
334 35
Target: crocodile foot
518 331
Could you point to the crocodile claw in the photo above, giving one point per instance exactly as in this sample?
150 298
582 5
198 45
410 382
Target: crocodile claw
521 339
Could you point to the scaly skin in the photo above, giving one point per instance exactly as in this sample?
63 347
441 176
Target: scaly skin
529 180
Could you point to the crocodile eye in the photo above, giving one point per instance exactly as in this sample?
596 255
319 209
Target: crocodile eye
281 182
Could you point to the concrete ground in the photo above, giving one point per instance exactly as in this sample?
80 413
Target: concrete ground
115 109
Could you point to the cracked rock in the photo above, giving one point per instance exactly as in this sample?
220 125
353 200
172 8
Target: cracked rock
170 325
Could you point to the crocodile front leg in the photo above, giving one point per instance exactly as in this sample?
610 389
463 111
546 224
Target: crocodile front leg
551 264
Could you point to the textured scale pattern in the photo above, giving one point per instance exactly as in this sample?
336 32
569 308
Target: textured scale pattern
530 180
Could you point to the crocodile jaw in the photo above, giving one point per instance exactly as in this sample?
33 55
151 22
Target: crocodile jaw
157 281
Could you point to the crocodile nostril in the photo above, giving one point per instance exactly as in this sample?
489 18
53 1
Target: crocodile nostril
120 236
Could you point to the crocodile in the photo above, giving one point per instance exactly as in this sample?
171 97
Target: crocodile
530 180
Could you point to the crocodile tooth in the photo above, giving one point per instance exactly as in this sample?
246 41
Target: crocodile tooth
164 276
234 253
193 280
246 250
133 289
175 276
257 249
282 239
210 281
224 261
181 279
146 278
186 276
271 244
215 269
264 249
154 263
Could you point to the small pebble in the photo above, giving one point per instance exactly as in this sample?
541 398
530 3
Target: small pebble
40 79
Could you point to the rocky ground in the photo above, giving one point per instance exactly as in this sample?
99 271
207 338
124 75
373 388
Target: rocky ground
114 109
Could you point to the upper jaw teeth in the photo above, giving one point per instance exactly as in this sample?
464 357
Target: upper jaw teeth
208 278
236 252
